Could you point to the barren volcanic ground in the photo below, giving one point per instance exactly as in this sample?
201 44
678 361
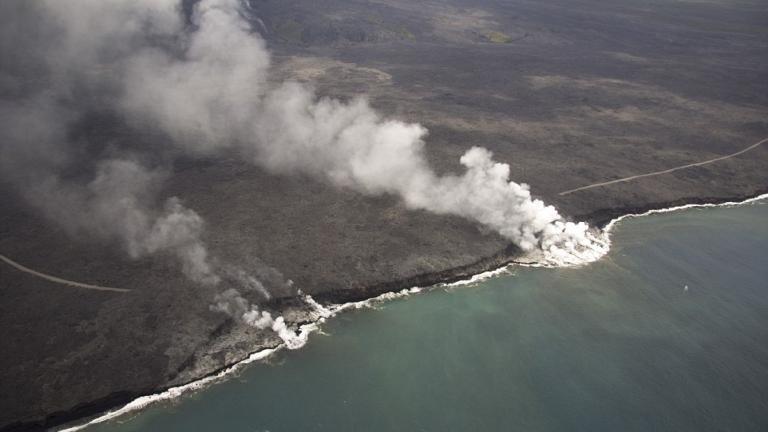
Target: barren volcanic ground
569 93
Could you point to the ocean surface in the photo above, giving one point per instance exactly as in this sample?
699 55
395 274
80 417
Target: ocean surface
669 332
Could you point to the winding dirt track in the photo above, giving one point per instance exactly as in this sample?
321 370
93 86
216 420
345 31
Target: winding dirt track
57 280
635 177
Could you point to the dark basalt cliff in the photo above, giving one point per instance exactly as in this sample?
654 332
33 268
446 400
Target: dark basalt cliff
239 352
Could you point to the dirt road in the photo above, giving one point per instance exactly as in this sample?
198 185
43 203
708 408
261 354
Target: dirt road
635 177
57 280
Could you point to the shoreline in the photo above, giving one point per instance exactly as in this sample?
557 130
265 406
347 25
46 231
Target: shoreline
117 405
603 218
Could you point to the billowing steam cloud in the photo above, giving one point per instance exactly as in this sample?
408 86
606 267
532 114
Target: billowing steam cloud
198 77
114 205
218 96
59 63
232 303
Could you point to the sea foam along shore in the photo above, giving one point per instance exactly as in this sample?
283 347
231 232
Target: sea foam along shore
174 392
612 224
323 313
603 239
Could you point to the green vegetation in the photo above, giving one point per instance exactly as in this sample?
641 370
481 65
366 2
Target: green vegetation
496 37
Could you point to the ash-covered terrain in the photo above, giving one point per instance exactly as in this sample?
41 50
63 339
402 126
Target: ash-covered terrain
183 151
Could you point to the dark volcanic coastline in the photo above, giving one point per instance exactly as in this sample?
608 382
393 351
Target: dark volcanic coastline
568 94
83 411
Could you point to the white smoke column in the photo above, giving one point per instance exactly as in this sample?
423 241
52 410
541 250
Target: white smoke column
230 303
116 205
247 281
208 99
258 319
178 230
206 87
292 339
218 97
78 50
233 304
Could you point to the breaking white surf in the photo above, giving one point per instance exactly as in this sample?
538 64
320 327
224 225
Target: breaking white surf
295 339
173 392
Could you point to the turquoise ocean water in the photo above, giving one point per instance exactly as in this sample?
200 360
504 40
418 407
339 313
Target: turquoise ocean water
669 332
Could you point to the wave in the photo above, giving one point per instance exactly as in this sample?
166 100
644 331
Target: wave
174 392
612 224
321 314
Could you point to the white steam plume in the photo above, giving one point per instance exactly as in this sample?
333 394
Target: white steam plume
233 304
59 61
205 85
116 205
218 96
